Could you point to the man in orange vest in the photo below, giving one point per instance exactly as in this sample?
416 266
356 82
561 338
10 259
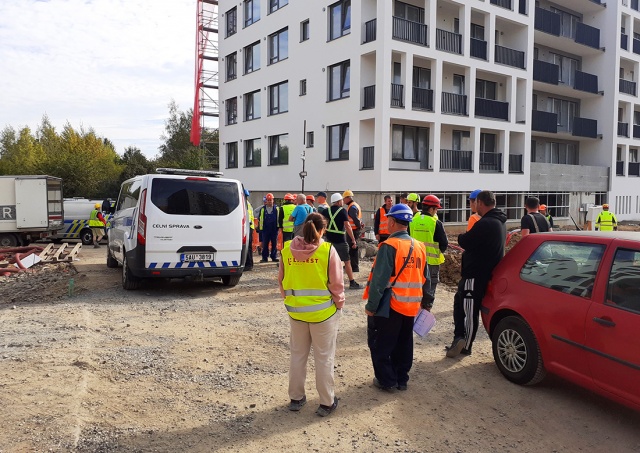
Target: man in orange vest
400 269
357 225
380 227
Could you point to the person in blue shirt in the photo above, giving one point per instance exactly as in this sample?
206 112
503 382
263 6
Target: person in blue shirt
299 214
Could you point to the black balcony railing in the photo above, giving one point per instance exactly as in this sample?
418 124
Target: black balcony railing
406 30
623 129
515 163
627 86
584 81
491 162
542 121
510 57
478 48
492 109
369 100
454 103
587 35
397 95
636 131
522 8
584 127
502 3
370 30
636 46
455 160
449 42
422 99
624 41
367 158
619 168
546 72
547 21
634 169
634 4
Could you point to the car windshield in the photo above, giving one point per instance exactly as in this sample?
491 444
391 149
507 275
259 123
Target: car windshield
194 197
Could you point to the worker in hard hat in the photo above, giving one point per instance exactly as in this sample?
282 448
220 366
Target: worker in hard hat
268 226
606 220
474 217
97 223
321 199
357 225
413 199
311 200
284 213
543 210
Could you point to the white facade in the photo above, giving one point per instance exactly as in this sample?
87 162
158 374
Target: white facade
439 97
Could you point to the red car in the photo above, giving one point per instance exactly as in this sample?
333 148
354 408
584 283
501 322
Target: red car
569 304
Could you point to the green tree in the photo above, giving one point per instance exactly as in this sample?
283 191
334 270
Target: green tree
20 153
177 150
134 163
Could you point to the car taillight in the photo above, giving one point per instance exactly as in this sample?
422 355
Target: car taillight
194 178
142 219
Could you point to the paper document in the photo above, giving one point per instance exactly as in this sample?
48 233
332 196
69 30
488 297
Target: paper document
424 322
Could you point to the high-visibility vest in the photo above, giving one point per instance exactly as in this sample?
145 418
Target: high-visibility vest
406 293
287 209
351 222
472 220
423 228
251 216
332 227
263 213
94 222
606 221
383 228
306 294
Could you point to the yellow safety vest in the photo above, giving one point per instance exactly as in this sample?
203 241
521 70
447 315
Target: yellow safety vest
251 216
306 294
94 222
423 227
332 227
287 225
606 221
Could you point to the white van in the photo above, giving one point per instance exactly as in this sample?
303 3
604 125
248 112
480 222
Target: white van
76 219
179 223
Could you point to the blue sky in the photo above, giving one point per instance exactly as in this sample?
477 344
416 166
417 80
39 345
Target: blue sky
110 65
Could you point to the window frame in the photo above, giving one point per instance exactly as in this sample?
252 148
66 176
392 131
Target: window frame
231 111
249 147
483 142
275 5
342 130
609 297
231 61
231 14
232 149
277 110
305 31
310 139
276 56
275 143
482 85
344 76
250 19
249 54
416 144
303 87
250 105
345 19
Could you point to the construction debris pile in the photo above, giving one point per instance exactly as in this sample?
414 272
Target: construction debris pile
18 259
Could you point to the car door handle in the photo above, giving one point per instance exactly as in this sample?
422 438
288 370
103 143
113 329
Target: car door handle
605 322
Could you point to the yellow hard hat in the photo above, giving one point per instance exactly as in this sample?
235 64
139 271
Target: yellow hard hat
347 193
413 197
98 206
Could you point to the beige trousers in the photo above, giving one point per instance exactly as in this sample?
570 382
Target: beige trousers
322 336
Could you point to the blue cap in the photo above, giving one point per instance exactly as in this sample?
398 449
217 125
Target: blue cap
401 212
474 194
246 193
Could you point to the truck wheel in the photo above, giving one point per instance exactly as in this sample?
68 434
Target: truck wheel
86 236
112 263
231 280
129 281
8 240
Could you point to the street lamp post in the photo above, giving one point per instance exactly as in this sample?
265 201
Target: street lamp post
303 173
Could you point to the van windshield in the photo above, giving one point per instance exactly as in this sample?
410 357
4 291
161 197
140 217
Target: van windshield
188 197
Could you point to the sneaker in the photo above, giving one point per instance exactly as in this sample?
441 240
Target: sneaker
296 405
377 384
456 347
402 387
465 351
324 411
275 260
264 261
354 285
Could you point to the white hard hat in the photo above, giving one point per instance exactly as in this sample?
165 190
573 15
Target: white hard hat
336 197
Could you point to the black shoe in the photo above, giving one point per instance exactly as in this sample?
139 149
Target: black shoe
275 260
324 411
377 384
456 347
264 261
465 351
354 285
296 405
402 387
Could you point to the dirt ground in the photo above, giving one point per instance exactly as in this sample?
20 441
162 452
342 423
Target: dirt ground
197 367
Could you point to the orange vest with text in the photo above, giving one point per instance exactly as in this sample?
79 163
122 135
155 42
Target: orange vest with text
384 225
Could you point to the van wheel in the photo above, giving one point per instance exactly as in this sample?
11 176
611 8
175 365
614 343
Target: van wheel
231 280
8 240
129 281
112 263
86 236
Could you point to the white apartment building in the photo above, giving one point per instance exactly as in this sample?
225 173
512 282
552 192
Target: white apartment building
435 96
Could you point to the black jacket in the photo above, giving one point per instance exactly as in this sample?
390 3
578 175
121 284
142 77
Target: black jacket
483 245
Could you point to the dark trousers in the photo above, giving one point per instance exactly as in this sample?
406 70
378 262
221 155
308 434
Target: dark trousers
287 236
391 344
269 237
249 262
354 257
466 309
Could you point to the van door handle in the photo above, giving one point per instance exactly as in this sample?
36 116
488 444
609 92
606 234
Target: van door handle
605 322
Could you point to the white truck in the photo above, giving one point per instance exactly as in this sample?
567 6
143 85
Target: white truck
30 208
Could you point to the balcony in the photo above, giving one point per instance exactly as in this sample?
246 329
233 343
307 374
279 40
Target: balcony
502 3
406 30
369 98
370 30
636 46
455 104
509 57
547 21
489 108
584 127
367 158
491 162
624 41
587 35
422 99
455 160
516 163
448 42
619 168
636 131
584 81
544 121
546 72
397 95
634 169
623 129
478 48
627 86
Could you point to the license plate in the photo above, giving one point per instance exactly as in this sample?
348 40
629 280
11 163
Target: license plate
190 257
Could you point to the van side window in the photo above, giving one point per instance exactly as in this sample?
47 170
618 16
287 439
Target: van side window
624 282
193 197
129 195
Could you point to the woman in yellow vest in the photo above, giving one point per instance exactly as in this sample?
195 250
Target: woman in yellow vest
312 285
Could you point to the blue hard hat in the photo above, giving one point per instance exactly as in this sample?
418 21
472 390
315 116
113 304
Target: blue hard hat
401 212
473 195
246 193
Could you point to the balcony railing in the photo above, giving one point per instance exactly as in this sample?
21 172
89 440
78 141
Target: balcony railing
587 35
624 41
510 57
455 160
546 72
627 86
478 48
369 100
619 168
584 81
515 163
448 42
636 46
636 131
502 3
634 169
397 95
542 121
623 129
422 99
370 29
367 158
547 21
406 30
491 162
492 109
454 103
584 127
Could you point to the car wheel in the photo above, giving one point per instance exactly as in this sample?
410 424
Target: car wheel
112 263
129 281
516 352
231 280
8 240
86 236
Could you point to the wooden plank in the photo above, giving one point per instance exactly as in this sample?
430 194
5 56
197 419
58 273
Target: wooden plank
43 254
72 254
56 255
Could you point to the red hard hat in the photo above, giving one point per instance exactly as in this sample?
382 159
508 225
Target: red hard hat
432 200
289 197
311 198
269 196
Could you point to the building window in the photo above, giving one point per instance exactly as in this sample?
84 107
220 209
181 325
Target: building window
487 143
633 155
339 84
421 77
310 139
278 46
232 66
409 12
252 153
278 98
304 30
303 87
566 111
251 12
458 84
567 68
339 19
232 21
486 89
460 140
252 57
231 110
252 105
275 5
232 155
477 32
409 143
555 153
338 138
279 149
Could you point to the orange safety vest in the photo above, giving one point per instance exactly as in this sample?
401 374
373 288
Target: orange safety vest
406 294
384 226
351 222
